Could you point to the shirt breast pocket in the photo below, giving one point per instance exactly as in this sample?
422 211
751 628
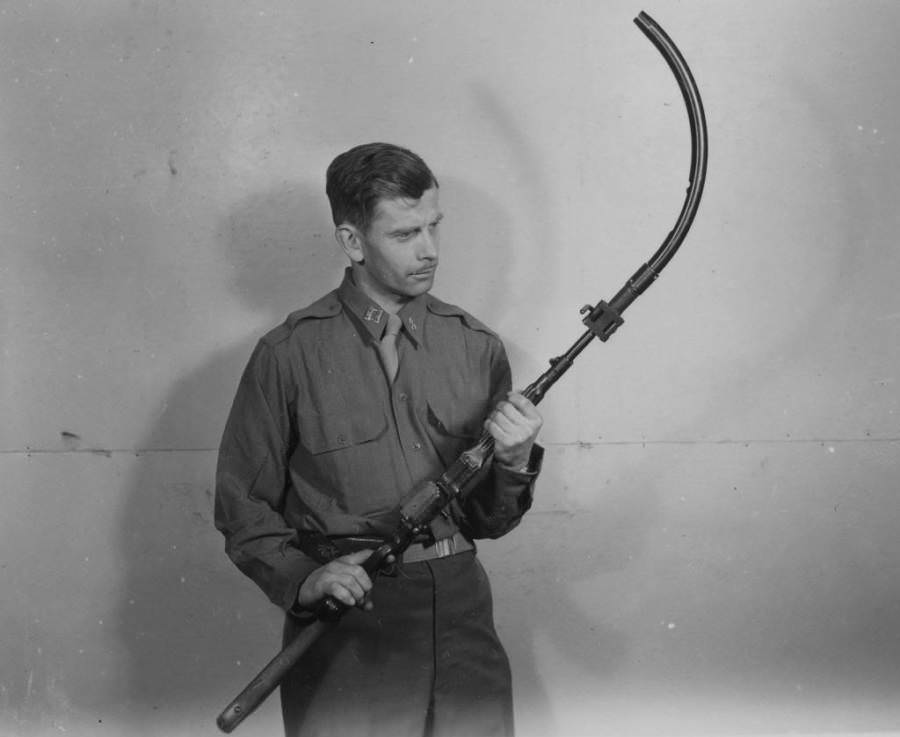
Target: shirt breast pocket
338 430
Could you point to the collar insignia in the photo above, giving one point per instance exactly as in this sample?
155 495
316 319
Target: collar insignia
373 314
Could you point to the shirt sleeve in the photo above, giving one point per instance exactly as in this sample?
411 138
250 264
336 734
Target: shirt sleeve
251 482
499 501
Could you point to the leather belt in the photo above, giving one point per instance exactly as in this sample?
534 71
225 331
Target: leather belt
324 549
456 543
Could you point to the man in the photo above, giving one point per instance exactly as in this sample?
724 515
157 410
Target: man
344 410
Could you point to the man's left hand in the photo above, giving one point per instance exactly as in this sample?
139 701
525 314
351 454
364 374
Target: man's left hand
514 425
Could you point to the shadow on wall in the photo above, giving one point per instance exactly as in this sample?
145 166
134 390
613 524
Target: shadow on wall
188 619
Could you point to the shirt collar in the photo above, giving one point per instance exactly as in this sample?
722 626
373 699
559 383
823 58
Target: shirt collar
374 318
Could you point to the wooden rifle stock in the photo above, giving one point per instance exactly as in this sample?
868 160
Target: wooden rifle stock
269 677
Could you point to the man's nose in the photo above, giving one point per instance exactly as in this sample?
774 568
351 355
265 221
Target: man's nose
428 246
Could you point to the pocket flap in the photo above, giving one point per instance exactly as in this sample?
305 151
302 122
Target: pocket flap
326 433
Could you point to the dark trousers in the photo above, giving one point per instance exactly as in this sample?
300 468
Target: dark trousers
426 662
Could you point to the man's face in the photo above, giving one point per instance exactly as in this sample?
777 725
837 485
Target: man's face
397 258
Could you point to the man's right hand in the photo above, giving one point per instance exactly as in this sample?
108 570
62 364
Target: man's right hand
343 578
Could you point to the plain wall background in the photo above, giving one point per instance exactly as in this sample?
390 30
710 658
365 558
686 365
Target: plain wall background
714 547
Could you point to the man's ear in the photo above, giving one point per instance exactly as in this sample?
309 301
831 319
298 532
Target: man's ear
351 241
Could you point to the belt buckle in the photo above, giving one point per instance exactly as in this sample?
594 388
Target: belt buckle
443 547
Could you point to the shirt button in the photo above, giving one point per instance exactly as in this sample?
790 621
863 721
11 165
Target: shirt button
403 397
417 446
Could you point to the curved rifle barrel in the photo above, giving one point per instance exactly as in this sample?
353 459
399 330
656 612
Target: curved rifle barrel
699 144
605 318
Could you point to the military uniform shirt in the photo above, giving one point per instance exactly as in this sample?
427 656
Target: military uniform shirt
318 440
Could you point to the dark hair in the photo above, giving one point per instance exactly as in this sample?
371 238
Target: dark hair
357 179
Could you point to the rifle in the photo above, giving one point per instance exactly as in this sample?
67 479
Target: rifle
601 320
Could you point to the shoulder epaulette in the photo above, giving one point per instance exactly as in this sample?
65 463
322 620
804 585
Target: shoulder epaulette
325 307
445 309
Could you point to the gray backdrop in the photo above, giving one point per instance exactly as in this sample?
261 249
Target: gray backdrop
714 547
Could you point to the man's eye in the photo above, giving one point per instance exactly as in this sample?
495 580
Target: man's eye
405 236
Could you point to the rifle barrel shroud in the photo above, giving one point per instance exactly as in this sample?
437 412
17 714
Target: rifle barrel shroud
601 320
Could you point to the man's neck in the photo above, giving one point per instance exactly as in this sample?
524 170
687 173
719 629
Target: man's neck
391 303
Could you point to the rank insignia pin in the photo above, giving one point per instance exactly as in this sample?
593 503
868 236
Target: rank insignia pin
373 314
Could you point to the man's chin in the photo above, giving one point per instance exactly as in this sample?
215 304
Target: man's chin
419 284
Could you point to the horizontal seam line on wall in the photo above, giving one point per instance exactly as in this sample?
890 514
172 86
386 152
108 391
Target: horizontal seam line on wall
576 444
104 451
749 441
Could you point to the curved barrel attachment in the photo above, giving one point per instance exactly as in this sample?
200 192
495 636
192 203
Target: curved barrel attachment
604 318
